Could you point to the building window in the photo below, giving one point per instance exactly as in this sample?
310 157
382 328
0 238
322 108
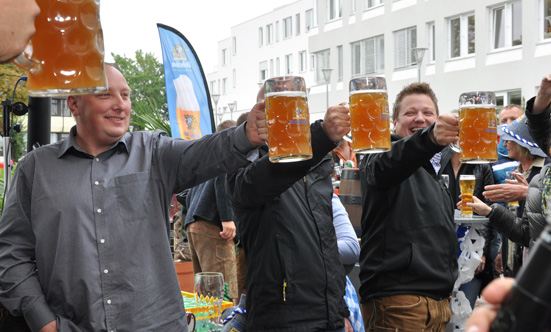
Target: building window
309 18
507 25
287 27
334 9
504 98
546 19
224 86
368 56
271 67
234 76
352 7
322 61
431 43
277 31
263 71
234 45
302 61
461 35
269 34
373 3
278 68
405 41
288 64
297 24
224 57
260 36
340 65
59 107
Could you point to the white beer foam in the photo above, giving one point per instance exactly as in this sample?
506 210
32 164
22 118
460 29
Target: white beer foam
478 106
367 91
286 94
185 95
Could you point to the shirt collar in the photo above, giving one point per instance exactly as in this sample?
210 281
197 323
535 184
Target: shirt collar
71 144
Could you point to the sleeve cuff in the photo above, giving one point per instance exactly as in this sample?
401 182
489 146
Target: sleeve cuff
38 315
241 142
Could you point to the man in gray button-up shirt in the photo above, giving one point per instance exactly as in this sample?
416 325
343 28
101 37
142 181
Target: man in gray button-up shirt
84 240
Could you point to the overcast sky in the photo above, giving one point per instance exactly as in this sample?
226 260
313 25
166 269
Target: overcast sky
131 25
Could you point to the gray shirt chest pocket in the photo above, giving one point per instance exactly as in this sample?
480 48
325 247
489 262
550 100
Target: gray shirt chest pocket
133 197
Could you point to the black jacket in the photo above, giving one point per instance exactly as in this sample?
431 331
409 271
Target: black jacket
295 281
409 245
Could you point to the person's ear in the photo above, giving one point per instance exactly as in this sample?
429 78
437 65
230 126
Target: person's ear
72 103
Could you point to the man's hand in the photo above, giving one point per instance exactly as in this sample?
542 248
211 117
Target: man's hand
347 326
543 98
498 263
228 230
256 129
445 130
50 327
507 192
483 316
16 26
336 122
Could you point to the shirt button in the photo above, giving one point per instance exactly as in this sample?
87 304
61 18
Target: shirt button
97 159
96 183
102 240
99 210
106 271
108 301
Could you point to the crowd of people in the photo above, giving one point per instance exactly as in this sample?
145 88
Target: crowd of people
78 207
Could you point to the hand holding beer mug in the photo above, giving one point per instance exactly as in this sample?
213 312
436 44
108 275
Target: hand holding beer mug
466 184
287 119
65 56
477 127
369 115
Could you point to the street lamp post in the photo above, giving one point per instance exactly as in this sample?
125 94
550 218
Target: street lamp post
232 107
419 54
215 98
327 77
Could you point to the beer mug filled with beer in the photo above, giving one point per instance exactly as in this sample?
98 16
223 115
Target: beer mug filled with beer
477 127
369 115
66 54
287 119
466 184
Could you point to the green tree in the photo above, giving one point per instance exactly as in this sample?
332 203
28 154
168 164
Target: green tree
145 76
9 74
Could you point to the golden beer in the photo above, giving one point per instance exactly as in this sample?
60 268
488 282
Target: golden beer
68 44
478 134
370 121
466 184
288 123
188 122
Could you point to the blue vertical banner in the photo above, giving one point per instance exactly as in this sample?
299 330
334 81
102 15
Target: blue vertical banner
187 93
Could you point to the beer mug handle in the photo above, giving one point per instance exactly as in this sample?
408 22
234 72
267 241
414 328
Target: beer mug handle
27 63
455 147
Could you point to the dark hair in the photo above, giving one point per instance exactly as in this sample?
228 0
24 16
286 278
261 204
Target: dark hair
242 118
412 89
225 125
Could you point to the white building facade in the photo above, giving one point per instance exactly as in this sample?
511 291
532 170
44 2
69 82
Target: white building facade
492 45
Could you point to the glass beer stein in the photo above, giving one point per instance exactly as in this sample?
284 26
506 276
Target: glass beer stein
369 115
66 54
287 119
477 127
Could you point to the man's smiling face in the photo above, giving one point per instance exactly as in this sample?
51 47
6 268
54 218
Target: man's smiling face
417 111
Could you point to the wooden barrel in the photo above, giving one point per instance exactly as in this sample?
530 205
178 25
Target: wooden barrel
351 196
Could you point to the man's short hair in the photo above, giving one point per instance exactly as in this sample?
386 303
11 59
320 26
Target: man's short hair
225 125
412 89
242 118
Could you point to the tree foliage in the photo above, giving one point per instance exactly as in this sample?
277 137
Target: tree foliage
9 74
145 76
